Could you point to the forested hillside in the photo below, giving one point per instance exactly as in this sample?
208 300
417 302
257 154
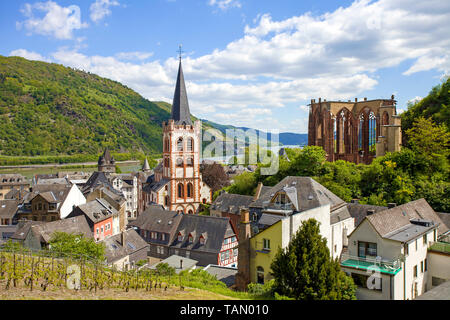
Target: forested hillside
49 109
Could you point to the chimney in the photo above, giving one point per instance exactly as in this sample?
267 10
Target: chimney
243 276
123 237
354 201
391 205
370 212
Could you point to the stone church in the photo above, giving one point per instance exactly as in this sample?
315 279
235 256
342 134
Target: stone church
177 182
355 131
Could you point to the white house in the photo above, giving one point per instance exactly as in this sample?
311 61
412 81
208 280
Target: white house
390 253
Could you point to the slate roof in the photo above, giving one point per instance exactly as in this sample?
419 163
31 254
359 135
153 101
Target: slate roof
339 214
75 225
180 106
155 218
146 165
230 203
50 192
8 208
388 221
445 218
225 274
215 228
359 211
268 219
98 210
97 179
441 292
156 186
23 229
106 158
308 193
174 262
116 250
54 181
13 179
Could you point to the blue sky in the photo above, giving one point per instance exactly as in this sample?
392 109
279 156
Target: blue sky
251 63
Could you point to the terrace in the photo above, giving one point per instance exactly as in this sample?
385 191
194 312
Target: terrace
366 263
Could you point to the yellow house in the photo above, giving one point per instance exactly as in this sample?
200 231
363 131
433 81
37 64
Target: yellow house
264 247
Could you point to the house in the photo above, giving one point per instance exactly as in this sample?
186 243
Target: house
209 240
103 219
396 253
228 205
128 185
123 250
115 199
8 212
10 181
178 263
6 232
274 217
50 202
36 235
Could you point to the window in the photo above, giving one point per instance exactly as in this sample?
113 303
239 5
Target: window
260 275
191 238
202 240
425 239
166 200
233 239
415 271
226 241
163 236
416 244
40 206
190 162
190 144
361 281
180 190
190 190
235 252
434 235
154 235
101 229
421 266
367 249
180 144
98 232
426 264
266 244
406 249
180 237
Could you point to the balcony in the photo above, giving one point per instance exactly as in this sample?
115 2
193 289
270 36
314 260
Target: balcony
383 265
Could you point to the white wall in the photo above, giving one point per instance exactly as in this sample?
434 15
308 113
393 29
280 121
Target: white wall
74 198
438 266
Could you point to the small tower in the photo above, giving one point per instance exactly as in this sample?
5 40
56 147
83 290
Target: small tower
146 166
106 162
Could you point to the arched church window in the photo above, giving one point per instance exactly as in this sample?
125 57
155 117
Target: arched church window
190 144
180 144
190 162
190 190
372 132
180 190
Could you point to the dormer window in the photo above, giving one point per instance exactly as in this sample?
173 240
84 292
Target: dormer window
202 240
191 238
180 237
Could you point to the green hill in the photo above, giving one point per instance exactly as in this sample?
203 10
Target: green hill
49 109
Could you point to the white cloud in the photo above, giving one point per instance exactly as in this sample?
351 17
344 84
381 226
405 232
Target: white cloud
414 100
101 8
135 55
225 4
58 22
30 55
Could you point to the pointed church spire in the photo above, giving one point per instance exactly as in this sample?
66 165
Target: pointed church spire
146 166
180 106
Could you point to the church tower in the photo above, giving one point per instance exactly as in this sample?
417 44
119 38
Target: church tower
106 162
181 155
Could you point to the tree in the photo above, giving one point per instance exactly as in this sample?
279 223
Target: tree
214 176
76 245
305 271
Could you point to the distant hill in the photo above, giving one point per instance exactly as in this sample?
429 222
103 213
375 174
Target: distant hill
285 138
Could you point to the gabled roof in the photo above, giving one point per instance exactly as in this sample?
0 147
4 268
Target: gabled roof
98 210
395 218
8 208
23 230
156 186
230 203
217 228
96 180
155 218
309 194
75 225
359 211
180 106
50 192
116 250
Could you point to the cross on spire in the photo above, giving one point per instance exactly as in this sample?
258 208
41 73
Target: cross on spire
180 52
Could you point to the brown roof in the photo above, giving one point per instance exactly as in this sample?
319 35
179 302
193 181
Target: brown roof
75 225
8 208
445 217
390 220
98 210
115 249
50 192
